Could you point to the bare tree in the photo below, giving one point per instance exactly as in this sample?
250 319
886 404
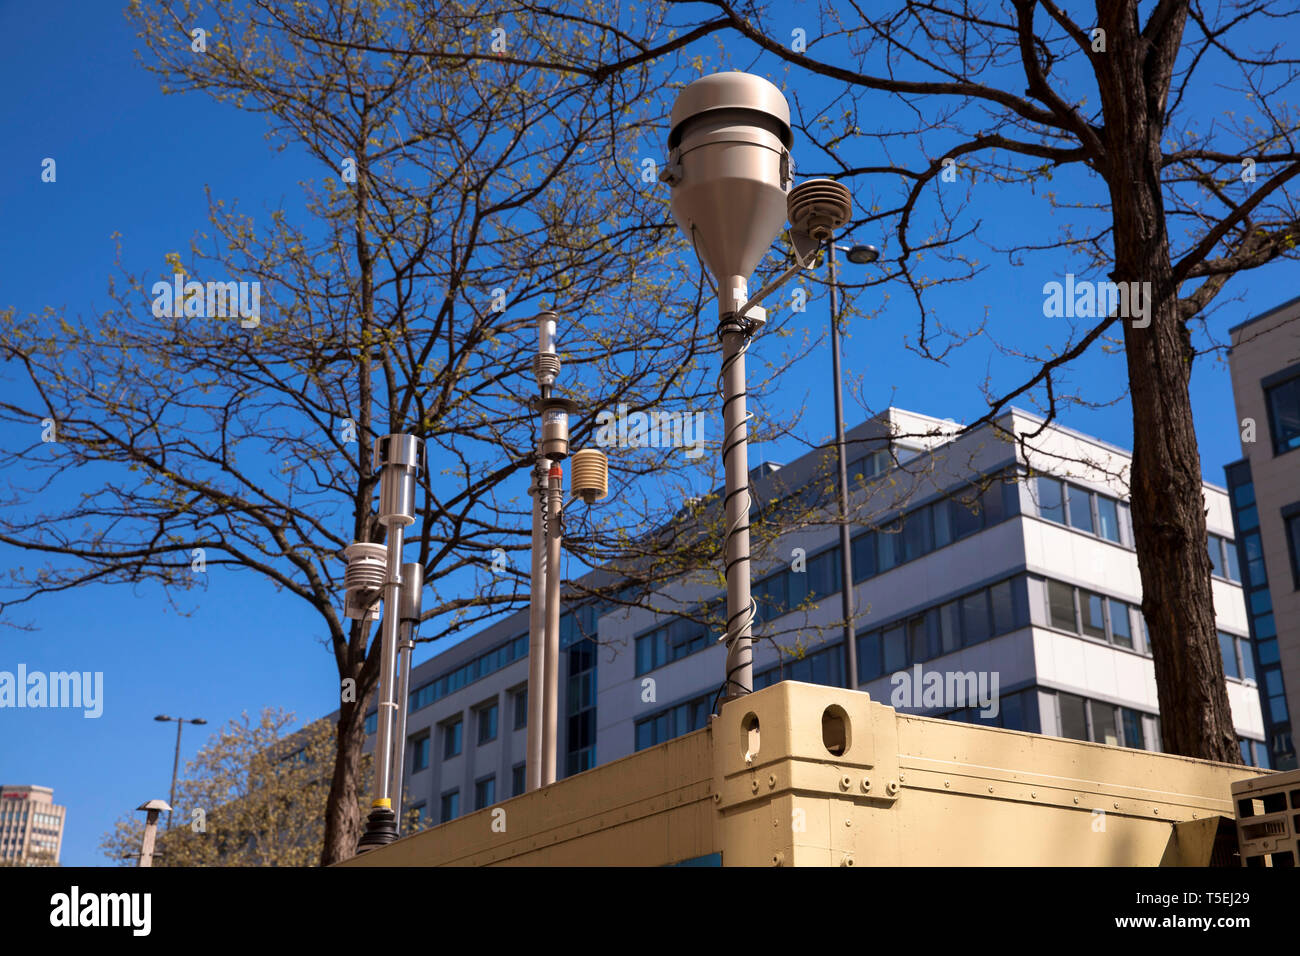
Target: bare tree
457 197
1008 95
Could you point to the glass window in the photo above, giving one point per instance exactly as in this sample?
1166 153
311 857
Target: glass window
1248 518
1284 414
887 548
1121 629
1104 730
1230 553
1228 651
1004 611
991 502
823 574
485 792
1216 555
1108 518
950 627
963 511
487 723
521 708
419 753
1060 604
916 534
451 739
1074 724
517 779
1093 608
450 805
1010 712
1051 504
975 617
864 556
1080 509
1254 558
645 657
895 647
869 667
940 520
1247 659
1293 545
923 635
1131 723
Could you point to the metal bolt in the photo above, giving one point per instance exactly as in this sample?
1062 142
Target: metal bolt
891 788
900 776
848 822
753 786
717 798
947 783
866 784
1076 800
848 860
778 858
845 783
1033 794
990 789
1117 806
771 780
1156 811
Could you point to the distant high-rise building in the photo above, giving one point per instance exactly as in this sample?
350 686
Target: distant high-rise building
1265 490
31 826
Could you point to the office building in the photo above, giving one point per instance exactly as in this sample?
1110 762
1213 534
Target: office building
1007 571
1265 487
31 826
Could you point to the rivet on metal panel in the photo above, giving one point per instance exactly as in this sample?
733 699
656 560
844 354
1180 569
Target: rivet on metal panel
1117 806
866 784
891 788
845 783
1076 800
717 798
753 786
947 783
848 860
1033 794
771 780
900 778
1156 811
990 789
778 858
848 822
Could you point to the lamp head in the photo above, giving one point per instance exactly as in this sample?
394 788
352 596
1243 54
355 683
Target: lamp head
862 255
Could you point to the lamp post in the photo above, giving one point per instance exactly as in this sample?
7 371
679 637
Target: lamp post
858 255
176 759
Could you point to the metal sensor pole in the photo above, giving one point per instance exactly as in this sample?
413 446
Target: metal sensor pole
399 459
409 627
846 557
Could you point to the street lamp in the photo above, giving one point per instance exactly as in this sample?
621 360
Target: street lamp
859 255
176 759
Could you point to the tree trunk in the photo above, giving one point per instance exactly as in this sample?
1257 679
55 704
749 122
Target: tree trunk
1167 494
342 813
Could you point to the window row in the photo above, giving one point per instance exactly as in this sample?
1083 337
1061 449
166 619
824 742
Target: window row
1089 614
1081 718
1283 400
1083 510
964 622
964 512
825 666
1016 711
673 722
485 794
920 531
481 666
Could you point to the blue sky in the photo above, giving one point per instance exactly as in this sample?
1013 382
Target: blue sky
134 161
